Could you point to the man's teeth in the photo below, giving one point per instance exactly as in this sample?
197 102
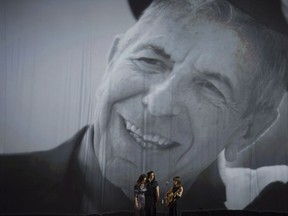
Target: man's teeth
147 140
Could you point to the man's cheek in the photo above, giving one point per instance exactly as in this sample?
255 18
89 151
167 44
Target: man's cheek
126 88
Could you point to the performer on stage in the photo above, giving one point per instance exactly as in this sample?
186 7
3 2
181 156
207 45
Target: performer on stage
139 195
173 196
151 195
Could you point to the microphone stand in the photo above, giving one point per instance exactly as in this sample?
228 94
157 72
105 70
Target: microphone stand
166 189
163 198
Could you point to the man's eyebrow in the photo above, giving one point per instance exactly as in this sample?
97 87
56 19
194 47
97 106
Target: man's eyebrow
218 77
157 50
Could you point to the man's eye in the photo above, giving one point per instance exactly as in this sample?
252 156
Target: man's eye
150 61
150 64
209 86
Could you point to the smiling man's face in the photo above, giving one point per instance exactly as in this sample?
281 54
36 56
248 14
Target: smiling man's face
171 100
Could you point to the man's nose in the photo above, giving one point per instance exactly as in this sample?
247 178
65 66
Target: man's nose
162 100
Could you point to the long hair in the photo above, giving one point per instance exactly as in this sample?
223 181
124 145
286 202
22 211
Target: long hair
141 179
149 174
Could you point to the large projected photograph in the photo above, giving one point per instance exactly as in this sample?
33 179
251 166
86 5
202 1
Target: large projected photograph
155 107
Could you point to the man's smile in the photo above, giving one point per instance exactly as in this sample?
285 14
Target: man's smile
148 141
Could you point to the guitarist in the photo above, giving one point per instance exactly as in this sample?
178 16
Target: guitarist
173 196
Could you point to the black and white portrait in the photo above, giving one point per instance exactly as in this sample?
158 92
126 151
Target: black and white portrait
95 93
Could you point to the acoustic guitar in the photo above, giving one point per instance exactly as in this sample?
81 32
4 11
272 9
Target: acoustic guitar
170 198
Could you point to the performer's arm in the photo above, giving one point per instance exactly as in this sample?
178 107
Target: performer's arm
157 193
135 201
135 197
180 192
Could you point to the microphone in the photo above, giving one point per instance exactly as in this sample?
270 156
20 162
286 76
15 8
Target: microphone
166 187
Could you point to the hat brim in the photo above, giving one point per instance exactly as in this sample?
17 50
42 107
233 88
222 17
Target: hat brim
138 6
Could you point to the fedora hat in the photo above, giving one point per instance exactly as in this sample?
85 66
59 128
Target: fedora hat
266 12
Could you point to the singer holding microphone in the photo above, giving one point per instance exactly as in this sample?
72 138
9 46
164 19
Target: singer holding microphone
173 196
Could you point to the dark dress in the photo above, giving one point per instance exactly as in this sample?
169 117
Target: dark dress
175 209
150 198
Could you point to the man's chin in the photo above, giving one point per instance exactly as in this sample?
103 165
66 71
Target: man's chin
128 193
122 174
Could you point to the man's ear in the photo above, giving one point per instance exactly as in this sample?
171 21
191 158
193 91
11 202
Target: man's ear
253 128
114 47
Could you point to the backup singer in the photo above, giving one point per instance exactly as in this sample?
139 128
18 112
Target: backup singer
139 195
151 195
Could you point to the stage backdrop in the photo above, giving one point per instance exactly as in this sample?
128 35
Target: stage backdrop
53 55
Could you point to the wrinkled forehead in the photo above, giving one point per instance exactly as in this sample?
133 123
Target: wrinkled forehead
197 44
186 37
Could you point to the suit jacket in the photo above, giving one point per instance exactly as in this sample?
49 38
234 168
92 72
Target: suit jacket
57 182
